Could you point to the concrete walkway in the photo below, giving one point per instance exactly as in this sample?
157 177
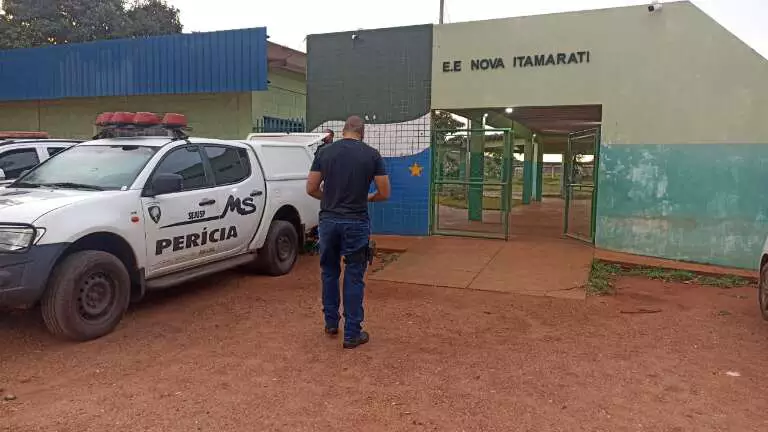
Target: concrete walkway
533 266
537 259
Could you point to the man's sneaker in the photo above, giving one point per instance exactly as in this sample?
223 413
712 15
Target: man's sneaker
354 343
332 331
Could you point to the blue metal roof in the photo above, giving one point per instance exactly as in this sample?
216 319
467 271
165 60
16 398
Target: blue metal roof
217 62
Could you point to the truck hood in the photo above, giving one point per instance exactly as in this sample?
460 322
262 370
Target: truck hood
27 205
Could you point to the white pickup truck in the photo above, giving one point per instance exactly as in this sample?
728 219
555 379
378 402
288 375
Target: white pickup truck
95 227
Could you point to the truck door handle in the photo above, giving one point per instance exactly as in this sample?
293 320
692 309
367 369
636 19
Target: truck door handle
257 193
207 202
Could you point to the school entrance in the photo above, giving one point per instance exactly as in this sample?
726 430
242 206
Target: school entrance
514 172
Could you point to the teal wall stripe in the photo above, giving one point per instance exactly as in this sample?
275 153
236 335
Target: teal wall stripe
705 203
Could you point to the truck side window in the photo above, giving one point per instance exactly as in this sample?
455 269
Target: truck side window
228 165
15 162
188 163
53 150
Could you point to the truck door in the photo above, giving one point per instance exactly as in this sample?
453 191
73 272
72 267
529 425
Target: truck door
242 193
183 228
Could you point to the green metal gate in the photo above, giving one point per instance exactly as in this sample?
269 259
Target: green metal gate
471 182
279 125
581 163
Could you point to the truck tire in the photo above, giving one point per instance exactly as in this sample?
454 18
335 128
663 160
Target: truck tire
87 296
280 251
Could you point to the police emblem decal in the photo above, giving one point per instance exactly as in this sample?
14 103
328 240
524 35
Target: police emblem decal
154 213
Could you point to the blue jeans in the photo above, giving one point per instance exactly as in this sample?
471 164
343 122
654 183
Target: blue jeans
348 238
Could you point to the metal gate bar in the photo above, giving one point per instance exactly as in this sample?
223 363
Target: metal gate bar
467 179
572 186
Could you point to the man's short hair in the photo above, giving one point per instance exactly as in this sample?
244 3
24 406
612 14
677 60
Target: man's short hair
329 131
355 125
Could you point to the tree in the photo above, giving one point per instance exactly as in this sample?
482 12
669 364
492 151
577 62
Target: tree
33 23
443 121
448 146
152 18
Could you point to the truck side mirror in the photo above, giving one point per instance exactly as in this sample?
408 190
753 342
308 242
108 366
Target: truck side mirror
165 184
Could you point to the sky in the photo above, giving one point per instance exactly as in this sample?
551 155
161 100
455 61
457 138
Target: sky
288 22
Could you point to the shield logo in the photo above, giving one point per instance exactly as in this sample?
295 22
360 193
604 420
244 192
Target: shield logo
155 213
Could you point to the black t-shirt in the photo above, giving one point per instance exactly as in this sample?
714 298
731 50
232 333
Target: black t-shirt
348 167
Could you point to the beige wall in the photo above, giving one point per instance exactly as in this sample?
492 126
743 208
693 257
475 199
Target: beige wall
220 115
670 77
286 97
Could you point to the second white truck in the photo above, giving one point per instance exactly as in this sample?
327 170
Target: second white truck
93 228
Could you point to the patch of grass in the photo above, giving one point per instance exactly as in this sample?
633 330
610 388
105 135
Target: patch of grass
383 259
723 282
601 278
665 275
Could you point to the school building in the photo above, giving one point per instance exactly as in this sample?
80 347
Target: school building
658 118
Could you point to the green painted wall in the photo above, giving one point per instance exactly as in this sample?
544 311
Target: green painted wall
286 97
703 203
220 115
215 115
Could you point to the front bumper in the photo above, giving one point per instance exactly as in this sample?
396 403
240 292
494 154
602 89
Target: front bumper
23 277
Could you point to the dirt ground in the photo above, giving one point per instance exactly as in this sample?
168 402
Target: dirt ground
244 353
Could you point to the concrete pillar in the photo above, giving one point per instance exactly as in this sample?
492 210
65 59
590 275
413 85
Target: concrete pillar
535 180
527 172
538 191
563 175
476 168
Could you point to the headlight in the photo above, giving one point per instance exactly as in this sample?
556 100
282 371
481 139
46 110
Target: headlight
39 234
17 238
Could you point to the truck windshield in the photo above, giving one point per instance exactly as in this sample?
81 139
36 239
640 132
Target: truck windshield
90 168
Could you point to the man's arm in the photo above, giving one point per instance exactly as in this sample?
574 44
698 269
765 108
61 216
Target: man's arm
313 185
381 179
315 178
382 189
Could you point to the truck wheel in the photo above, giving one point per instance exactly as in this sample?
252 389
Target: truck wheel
280 251
87 296
762 292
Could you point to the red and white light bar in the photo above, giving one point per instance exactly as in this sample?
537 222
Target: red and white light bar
141 119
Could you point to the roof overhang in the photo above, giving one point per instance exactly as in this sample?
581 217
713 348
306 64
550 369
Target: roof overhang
286 59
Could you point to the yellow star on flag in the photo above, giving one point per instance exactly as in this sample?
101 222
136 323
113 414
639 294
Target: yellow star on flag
416 170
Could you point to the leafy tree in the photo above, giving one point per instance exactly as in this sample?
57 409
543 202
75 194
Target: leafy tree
443 122
32 23
152 18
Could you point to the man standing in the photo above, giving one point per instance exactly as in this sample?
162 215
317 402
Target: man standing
346 170
327 140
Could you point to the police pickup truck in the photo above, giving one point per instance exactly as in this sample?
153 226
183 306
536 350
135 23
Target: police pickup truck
94 227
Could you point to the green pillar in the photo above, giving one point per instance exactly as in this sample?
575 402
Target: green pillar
476 169
535 170
539 172
527 172
563 175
